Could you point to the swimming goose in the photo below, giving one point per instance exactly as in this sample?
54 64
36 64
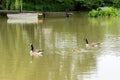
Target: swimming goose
91 45
35 52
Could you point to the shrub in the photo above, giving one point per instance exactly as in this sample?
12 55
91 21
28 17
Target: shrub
103 11
93 13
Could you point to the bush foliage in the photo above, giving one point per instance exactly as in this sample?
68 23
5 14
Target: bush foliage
105 11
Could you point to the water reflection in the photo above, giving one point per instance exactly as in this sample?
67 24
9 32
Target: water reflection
22 21
111 67
58 36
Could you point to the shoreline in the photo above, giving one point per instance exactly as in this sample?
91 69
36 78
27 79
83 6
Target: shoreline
4 13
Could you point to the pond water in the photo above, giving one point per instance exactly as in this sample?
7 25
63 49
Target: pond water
65 54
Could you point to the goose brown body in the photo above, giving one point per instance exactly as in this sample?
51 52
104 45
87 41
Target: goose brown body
91 45
34 52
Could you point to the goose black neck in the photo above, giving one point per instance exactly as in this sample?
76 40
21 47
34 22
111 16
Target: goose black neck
86 41
32 48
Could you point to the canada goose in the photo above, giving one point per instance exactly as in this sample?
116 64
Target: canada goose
91 45
35 52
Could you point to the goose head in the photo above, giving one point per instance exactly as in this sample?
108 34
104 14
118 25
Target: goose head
31 45
86 40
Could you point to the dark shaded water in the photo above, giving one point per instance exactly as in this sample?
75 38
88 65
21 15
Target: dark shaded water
59 37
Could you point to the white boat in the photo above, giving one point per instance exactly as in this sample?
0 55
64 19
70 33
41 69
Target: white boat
23 16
